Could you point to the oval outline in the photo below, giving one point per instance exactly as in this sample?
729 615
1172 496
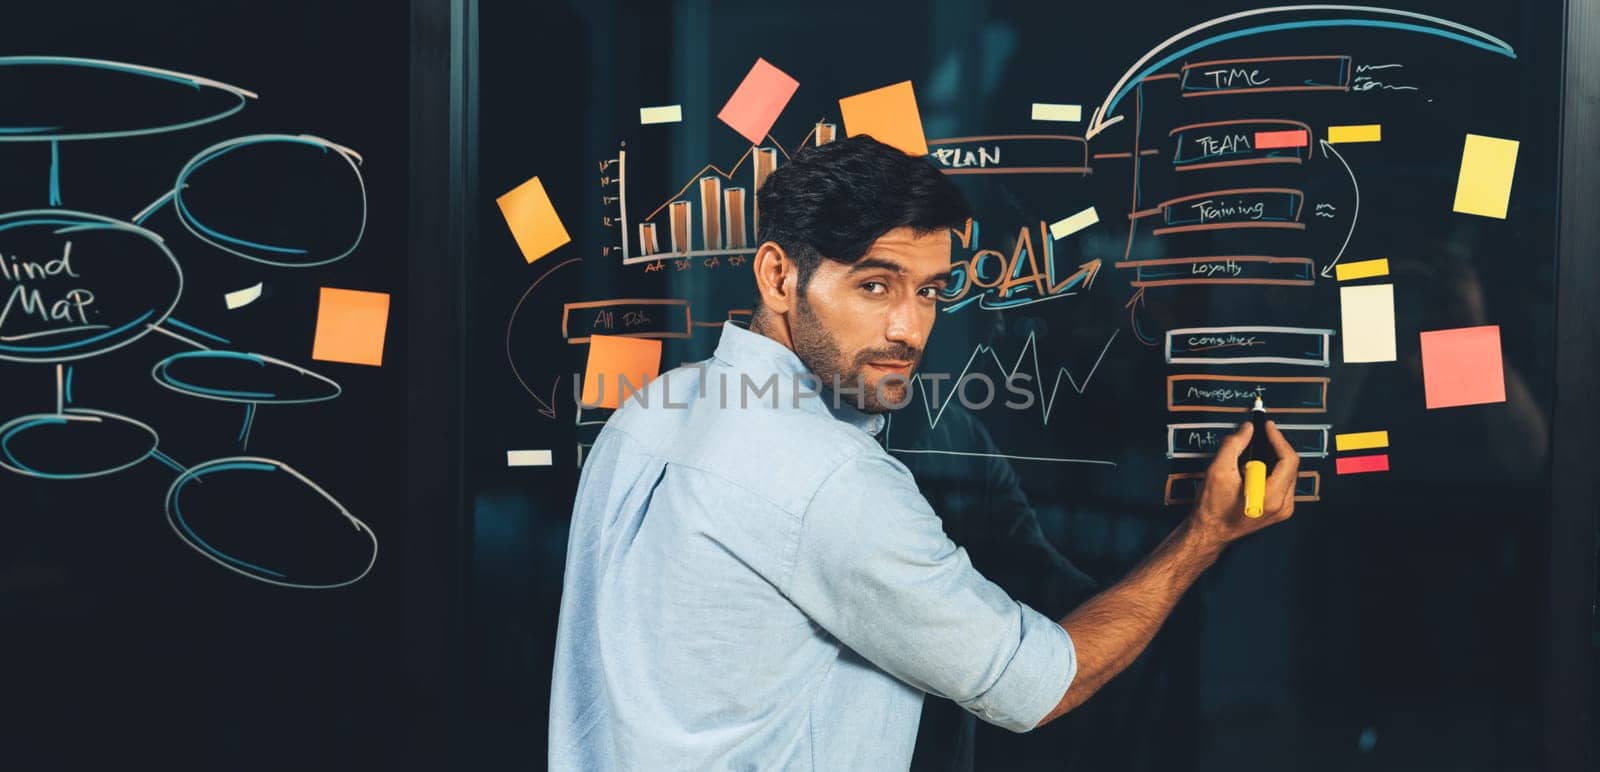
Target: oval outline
7 429
217 556
158 373
100 221
205 156
193 81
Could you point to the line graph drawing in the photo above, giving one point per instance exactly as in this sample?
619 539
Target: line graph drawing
76 285
983 354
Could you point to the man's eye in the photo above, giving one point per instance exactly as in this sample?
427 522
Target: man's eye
874 287
931 292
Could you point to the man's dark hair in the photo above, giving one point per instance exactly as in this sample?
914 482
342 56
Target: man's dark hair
832 201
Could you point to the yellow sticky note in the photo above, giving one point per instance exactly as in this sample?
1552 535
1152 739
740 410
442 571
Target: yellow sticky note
1067 226
889 114
533 220
1369 132
662 114
1045 111
1361 440
1484 186
350 326
1361 269
613 359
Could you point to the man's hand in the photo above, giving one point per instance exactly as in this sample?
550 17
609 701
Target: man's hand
1220 512
1110 629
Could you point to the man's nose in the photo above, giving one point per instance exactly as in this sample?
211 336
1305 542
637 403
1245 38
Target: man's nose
906 325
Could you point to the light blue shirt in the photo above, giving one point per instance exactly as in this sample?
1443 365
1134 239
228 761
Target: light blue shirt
752 582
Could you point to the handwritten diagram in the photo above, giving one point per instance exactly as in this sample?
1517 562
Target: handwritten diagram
1237 148
78 285
1236 212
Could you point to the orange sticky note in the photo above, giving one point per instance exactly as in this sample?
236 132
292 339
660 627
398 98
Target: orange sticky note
889 114
613 358
758 100
350 326
533 220
1463 366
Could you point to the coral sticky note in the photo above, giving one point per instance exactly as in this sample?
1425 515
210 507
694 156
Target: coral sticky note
1484 185
1361 464
889 114
1268 140
533 220
1366 321
1463 366
614 359
350 326
758 100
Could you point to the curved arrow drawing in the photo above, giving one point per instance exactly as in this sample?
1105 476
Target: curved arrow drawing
1327 271
546 409
1133 305
1099 122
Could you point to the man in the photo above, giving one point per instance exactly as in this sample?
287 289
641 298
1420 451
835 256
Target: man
753 582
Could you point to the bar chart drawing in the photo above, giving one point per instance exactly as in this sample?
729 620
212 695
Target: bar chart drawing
714 214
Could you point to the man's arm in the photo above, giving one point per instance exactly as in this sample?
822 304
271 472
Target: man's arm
1112 628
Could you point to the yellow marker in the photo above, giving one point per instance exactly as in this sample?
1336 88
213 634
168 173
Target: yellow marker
1255 470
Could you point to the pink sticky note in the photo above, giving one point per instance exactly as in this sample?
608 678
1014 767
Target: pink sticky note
1463 367
758 100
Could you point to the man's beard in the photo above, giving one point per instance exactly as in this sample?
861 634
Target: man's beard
820 354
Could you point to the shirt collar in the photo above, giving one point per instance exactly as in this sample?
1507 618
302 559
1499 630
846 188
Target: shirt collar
759 354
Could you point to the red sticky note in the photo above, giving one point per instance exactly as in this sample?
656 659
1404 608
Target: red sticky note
889 115
1360 464
1267 140
614 358
1463 367
758 100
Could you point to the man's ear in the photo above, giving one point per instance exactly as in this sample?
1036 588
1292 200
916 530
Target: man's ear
777 277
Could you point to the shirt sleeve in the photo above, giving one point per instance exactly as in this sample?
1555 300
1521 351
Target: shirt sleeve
875 569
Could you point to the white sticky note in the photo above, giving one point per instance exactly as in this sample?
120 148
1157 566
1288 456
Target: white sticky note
528 458
662 114
1063 228
242 298
1044 111
1366 319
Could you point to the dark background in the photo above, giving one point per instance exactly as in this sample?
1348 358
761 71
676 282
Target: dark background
122 645
1437 617
1399 623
